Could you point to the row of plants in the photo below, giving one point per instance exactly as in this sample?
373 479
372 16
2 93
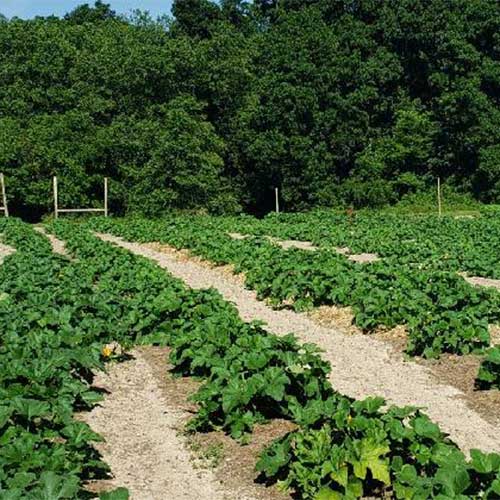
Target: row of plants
249 376
468 244
442 312
57 318
51 326
342 448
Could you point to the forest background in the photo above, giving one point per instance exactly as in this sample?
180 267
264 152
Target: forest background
335 102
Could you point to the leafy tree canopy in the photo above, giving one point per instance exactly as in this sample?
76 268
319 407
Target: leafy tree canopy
333 101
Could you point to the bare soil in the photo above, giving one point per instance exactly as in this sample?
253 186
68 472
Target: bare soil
238 236
286 244
58 246
457 371
495 334
142 420
362 365
143 444
5 250
232 463
460 372
364 258
308 246
478 281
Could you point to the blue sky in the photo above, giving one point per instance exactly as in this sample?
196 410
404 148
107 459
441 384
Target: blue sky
31 8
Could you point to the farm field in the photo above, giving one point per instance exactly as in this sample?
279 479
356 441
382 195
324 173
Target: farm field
250 250
269 398
418 278
414 295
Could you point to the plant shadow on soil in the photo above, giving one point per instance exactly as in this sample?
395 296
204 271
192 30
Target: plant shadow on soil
233 463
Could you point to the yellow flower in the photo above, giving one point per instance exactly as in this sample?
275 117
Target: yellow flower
349 419
107 351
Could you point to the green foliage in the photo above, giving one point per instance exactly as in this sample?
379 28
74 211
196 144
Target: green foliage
361 451
415 284
49 347
489 372
184 164
489 172
55 317
342 448
251 375
86 14
67 309
117 494
335 103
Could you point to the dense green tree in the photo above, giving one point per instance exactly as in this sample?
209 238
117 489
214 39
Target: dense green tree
173 161
86 14
195 17
333 101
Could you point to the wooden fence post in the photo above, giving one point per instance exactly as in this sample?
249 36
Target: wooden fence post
4 196
105 196
56 201
276 199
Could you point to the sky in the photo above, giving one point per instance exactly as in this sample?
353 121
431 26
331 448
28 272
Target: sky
30 8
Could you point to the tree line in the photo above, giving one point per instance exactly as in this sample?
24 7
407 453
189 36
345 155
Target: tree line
335 102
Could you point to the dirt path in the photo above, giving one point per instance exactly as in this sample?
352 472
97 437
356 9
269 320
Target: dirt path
307 245
142 444
361 366
58 246
142 430
478 281
5 250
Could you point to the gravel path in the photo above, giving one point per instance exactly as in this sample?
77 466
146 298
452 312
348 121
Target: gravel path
478 281
361 366
5 250
308 246
143 446
58 246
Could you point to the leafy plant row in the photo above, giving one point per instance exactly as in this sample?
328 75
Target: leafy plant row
489 371
456 244
442 312
55 317
342 448
49 346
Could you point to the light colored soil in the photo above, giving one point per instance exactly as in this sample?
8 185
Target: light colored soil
286 244
307 245
343 250
5 250
494 334
478 281
143 445
361 365
460 372
58 246
364 257
238 236
232 463
142 421
184 256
